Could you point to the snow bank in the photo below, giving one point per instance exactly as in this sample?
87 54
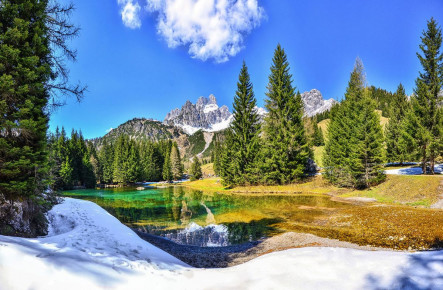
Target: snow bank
413 170
88 249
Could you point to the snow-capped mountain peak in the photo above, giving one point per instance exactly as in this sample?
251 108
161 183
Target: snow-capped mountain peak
314 103
205 114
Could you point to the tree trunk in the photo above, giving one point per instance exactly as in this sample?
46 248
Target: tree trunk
432 163
423 164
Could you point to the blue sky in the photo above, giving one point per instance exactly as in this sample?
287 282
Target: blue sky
143 58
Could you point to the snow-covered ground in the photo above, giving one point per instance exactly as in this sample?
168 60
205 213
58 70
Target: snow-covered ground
87 248
413 170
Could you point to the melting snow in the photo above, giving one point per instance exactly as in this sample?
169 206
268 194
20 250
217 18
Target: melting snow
413 170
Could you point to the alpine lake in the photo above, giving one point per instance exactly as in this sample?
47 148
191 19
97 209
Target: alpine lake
209 219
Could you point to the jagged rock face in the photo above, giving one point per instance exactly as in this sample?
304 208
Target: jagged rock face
21 218
314 103
205 114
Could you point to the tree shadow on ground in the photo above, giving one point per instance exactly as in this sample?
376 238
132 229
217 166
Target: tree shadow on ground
70 260
423 270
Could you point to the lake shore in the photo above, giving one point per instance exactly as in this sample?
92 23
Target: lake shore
222 257
412 190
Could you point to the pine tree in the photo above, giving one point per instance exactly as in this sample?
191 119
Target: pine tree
226 168
176 164
106 159
133 173
24 74
196 170
354 152
66 173
95 162
244 134
167 169
33 48
371 152
120 163
88 177
425 122
286 151
396 145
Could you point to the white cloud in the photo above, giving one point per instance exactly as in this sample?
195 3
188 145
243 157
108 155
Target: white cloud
130 11
211 28
109 130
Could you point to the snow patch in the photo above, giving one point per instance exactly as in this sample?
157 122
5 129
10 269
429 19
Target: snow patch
438 169
190 130
210 108
221 125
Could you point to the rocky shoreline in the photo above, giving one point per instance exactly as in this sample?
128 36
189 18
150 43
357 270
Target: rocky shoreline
222 257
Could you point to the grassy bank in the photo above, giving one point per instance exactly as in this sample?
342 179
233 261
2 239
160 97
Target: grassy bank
404 189
401 189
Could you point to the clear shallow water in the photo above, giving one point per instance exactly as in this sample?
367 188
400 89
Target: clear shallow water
194 217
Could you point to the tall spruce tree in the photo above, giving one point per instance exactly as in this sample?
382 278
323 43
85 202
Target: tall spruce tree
120 163
244 135
425 121
32 50
106 159
286 150
133 173
354 152
176 164
396 145
24 73
196 169
167 168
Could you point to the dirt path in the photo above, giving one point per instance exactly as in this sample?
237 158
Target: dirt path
221 257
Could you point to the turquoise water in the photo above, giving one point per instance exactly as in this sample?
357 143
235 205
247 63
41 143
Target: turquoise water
194 217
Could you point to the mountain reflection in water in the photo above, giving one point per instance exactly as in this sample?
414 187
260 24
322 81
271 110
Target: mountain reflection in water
193 217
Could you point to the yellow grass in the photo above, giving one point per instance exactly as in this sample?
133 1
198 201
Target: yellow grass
318 155
324 127
208 170
207 184
383 120
404 189
315 185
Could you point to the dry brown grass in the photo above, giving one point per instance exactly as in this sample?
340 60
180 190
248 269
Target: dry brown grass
396 227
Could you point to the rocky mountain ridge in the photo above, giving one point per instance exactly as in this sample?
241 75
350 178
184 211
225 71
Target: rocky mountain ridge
204 114
315 104
194 125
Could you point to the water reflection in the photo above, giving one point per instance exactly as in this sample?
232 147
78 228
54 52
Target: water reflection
207 219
